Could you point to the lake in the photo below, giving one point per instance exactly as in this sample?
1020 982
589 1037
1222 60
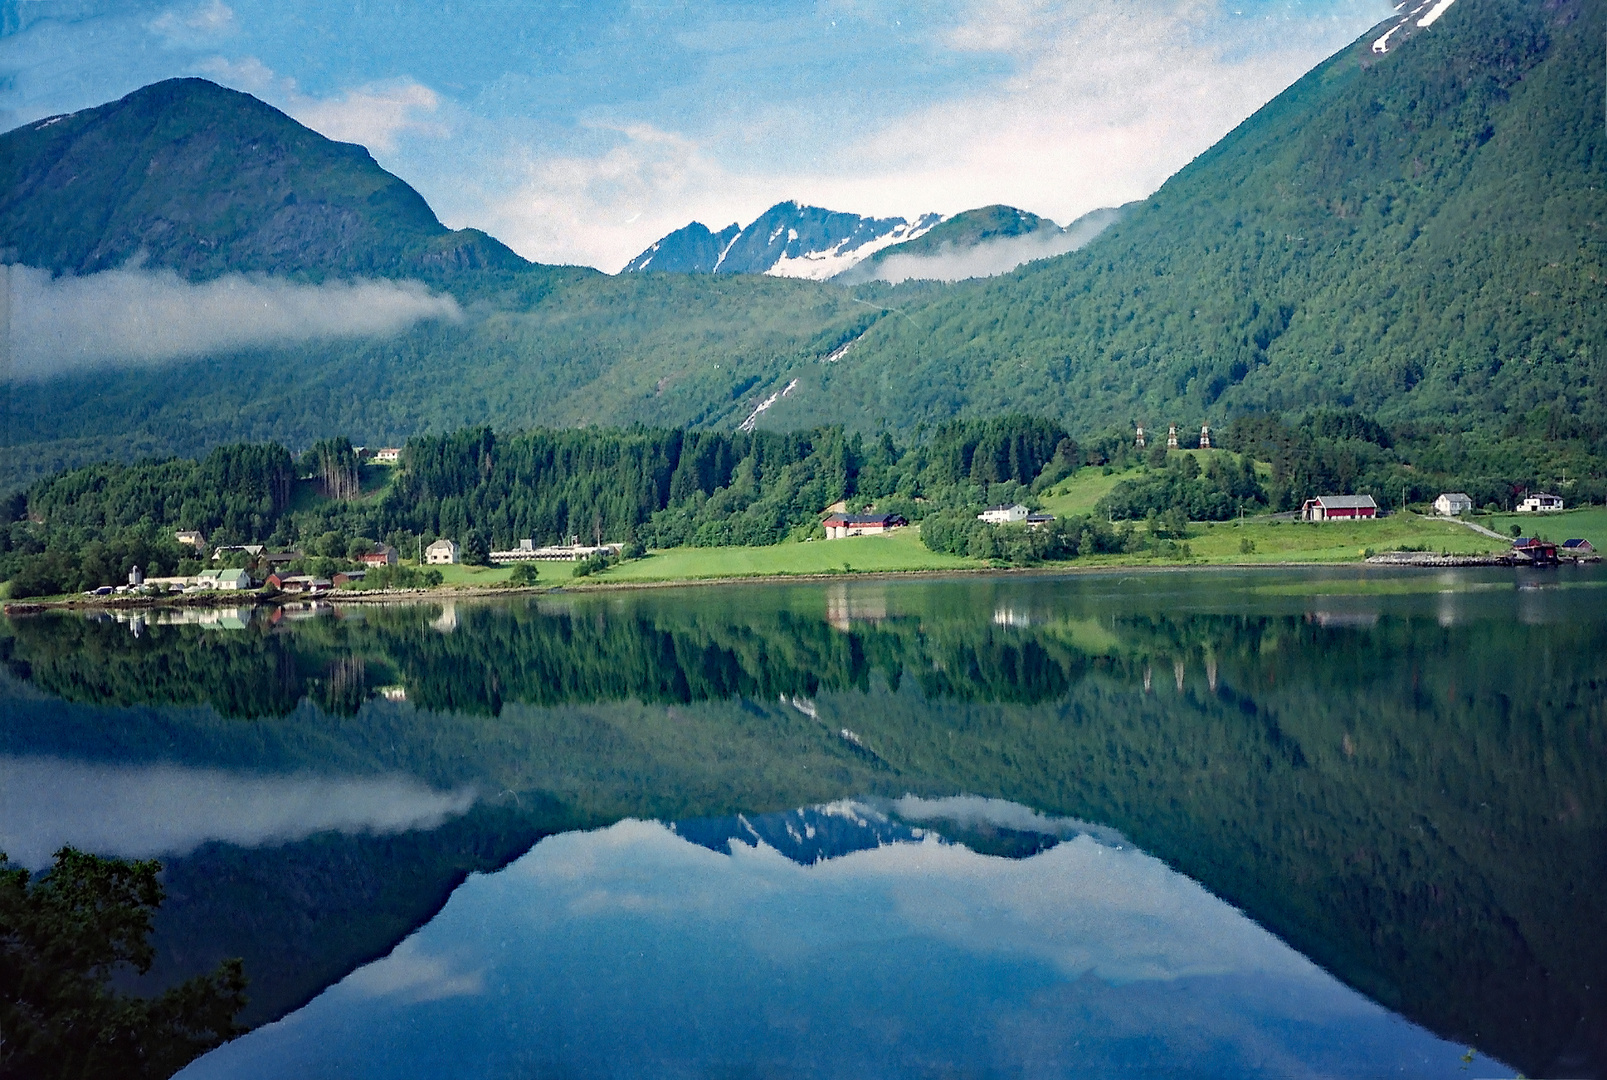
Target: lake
1336 822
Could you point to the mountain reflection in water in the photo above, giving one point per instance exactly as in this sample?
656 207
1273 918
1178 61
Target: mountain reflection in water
635 951
1399 775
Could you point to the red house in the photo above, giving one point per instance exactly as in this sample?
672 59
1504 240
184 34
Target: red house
1537 551
1339 508
385 556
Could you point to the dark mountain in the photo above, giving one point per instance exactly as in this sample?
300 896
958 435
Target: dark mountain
1006 236
788 240
692 250
189 175
972 227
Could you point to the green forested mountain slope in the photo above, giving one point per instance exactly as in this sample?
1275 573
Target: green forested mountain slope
189 175
556 347
1418 234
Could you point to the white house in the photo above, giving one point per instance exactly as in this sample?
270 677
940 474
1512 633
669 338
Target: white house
527 551
441 553
186 536
1540 504
1003 515
233 579
1453 504
388 455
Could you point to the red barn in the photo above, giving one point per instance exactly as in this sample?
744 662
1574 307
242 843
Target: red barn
841 525
1339 508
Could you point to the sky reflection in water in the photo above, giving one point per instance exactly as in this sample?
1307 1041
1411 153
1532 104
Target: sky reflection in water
633 950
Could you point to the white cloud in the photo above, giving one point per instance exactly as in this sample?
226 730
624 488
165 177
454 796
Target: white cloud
375 115
998 256
603 210
1104 103
144 316
189 26
139 811
248 74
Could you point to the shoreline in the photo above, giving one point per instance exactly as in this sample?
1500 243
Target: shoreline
474 592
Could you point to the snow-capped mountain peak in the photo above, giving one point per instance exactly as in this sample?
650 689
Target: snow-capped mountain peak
788 240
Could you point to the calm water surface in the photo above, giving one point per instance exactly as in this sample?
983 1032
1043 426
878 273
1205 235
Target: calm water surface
1282 823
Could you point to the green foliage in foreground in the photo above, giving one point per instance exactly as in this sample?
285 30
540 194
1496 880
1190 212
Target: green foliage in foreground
400 577
63 936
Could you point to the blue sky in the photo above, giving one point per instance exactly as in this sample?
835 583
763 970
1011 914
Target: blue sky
581 132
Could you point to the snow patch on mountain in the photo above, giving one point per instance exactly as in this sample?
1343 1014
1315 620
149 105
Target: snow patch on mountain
1435 12
758 410
788 240
820 265
1430 12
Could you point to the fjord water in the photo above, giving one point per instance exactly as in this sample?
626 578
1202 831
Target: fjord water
1288 822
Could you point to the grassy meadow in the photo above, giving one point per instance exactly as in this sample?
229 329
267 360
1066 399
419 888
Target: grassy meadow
1589 523
901 550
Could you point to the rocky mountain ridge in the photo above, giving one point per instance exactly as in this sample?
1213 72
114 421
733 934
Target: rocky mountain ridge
787 240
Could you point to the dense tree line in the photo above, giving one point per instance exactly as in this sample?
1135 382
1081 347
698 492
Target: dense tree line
87 527
672 487
1226 486
960 532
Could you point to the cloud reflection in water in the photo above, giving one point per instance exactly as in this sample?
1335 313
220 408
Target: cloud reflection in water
141 811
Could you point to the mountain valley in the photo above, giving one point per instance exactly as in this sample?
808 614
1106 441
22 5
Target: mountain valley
1415 233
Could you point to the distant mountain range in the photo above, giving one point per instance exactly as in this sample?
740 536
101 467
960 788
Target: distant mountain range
790 240
814 834
787 240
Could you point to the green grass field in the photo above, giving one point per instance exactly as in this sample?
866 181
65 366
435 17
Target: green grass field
1298 541
1589 523
901 550
1211 544
1077 493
